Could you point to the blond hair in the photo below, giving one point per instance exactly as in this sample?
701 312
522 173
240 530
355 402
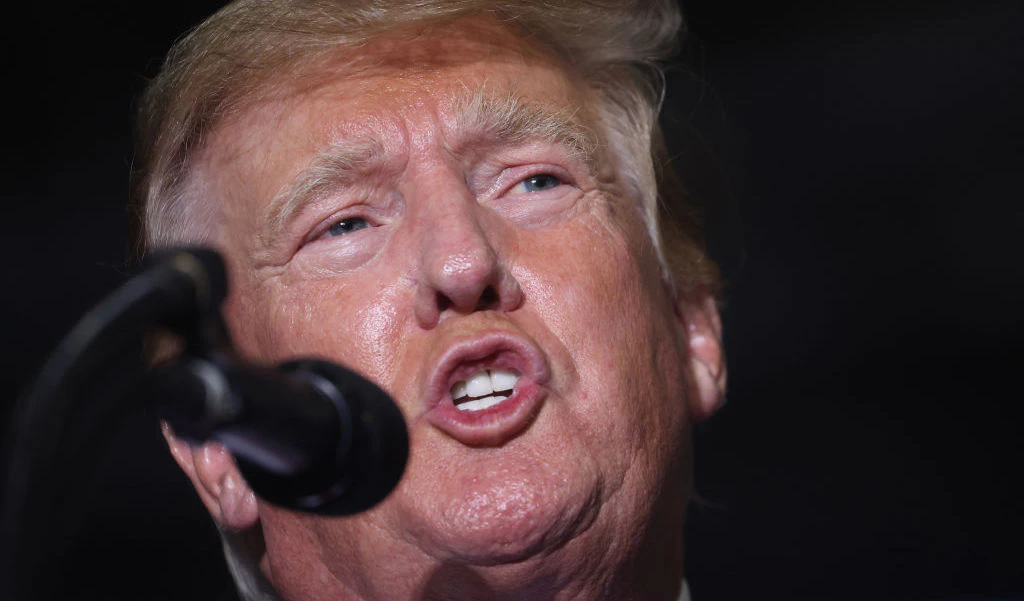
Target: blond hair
239 54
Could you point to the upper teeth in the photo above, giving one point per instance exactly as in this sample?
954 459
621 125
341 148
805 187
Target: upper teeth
481 386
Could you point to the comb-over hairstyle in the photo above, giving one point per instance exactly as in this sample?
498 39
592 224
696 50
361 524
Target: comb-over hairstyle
250 48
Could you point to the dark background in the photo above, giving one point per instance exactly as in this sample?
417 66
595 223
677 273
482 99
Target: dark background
859 166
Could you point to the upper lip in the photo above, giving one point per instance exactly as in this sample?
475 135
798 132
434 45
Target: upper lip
493 349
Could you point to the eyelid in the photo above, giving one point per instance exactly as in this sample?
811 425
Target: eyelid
513 176
351 212
546 175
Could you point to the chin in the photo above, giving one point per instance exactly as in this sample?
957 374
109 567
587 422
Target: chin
500 512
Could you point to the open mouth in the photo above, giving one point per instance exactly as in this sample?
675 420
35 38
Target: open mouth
484 389
487 389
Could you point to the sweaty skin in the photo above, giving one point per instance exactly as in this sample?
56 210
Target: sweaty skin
435 242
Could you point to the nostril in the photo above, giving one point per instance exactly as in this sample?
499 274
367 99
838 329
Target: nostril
443 302
488 299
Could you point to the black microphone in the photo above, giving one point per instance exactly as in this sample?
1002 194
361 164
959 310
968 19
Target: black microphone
308 435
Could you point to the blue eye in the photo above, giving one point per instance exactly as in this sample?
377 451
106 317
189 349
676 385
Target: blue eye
347 226
539 182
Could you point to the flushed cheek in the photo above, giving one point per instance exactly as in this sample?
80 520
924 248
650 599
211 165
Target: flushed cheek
589 288
327 318
606 308
377 337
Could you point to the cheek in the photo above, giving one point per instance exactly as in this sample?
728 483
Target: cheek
604 300
593 284
356 325
376 336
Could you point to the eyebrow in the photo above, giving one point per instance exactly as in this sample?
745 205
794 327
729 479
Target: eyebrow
507 119
338 164
511 119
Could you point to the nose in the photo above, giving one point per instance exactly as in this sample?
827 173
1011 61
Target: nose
460 271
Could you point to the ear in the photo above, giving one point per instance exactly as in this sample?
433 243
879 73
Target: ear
216 478
702 328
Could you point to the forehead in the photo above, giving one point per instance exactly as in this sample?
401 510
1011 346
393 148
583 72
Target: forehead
426 76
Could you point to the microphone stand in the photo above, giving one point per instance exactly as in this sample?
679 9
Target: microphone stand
308 435
179 290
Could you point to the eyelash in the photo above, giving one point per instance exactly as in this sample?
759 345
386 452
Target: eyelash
520 175
324 230
559 181
330 230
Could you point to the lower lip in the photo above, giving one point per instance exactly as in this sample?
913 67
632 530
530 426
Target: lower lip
495 425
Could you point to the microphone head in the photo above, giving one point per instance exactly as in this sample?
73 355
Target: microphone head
368 461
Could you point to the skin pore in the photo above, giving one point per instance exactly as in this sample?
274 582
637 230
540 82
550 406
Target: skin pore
439 206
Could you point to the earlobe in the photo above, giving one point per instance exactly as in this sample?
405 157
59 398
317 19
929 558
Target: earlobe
216 478
702 327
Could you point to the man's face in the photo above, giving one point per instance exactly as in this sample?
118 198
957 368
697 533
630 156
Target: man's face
431 216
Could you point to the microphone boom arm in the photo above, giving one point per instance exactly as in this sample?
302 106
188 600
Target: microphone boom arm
309 434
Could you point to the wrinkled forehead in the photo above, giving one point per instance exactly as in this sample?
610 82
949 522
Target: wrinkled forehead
472 77
481 53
